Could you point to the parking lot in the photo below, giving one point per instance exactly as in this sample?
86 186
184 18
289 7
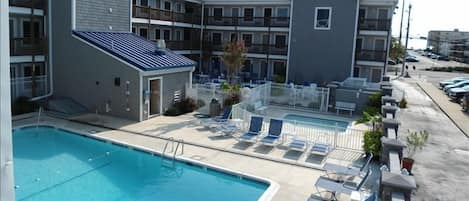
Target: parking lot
428 81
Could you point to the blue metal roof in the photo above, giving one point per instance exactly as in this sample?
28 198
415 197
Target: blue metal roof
135 50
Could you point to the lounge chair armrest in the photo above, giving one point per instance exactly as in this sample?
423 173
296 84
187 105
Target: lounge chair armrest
348 185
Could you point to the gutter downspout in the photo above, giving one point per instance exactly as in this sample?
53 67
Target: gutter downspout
51 85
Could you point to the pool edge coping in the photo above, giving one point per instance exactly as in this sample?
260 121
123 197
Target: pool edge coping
267 195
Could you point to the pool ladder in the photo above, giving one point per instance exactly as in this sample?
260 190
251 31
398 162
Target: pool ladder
170 162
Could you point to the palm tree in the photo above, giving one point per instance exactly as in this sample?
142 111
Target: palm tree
233 57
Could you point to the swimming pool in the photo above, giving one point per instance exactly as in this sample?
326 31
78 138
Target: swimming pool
54 165
328 124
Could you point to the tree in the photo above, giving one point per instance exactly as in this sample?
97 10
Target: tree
234 55
397 50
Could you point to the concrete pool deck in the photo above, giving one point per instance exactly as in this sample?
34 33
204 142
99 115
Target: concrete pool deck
296 181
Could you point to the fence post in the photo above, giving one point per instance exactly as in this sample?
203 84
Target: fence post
336 134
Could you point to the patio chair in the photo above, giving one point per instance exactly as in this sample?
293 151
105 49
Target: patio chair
274 134
218 120
255 128
298 144
320 149
348 170
338 187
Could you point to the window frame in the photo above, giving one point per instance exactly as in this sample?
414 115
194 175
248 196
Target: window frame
252 39
316 9
221 37
280 18
218 18
253 14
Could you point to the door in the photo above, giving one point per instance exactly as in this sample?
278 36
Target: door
375 75
383 19
280 41
235 15
379 50
267 16
263 70
265 42
155 97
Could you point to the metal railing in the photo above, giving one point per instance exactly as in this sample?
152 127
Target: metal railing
183 44
371 55
374 24
247 21
274 49
27 46
336 136
39 4
166 15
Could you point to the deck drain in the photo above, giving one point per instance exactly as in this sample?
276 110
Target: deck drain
197 157
462 152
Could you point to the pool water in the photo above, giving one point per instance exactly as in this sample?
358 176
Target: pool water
55 165
321 123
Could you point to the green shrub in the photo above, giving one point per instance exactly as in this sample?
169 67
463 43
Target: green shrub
23 105
403 103
232 99
375 100
367 112
372 142
184 106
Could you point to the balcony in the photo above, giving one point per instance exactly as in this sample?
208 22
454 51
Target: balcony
165 15
374 24
27 46
39 4
183 44
371 55
247 21
257 48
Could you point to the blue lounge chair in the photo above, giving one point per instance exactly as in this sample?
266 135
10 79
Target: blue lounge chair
320 149
255 128
336 187
298 145
218 120
348 170
274 134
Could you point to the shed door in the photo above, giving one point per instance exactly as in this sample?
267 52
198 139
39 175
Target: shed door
155 97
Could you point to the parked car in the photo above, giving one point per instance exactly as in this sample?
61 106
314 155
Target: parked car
457 85
458 93
443 58
465 103
411 59
452 81
391 62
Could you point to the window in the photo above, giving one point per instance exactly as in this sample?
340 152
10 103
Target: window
167 5
38 70
361 14
12 72
157 34
178 7
322 18
247 40
133 29
233 37
247 66
167 34
248 14
217 14
12 28
178 35
187 34
216 38
279 71
27 71
356 72
143 32
280 41
144 2
282 14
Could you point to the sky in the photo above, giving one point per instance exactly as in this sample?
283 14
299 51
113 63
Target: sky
429 15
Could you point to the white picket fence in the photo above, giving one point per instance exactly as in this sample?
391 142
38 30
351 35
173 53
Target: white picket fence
350 139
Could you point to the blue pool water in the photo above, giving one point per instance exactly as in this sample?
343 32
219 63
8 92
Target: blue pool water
328 124
56 165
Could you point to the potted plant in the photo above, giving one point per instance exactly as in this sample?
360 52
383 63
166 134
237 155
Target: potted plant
415 142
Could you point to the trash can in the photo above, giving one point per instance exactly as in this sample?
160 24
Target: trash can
214 108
